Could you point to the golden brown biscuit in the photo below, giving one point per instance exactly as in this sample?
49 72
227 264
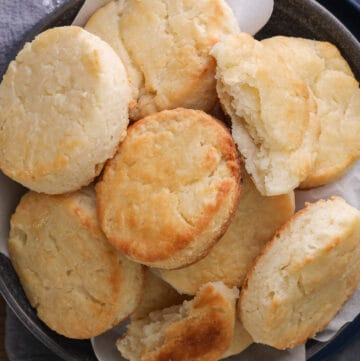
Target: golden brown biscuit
170 192
79 285
157 295
304 275
337 94
199 330
63 110
255 222
273 114
165 46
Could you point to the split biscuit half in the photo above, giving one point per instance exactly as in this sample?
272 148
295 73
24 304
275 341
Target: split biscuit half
201 329
273 114
159 295
337 95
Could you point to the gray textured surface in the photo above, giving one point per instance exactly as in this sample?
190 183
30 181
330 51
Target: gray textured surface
21 345
17 20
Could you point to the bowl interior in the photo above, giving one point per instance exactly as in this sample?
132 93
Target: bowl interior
304 18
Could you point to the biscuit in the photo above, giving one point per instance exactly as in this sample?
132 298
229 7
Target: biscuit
79 285
157 295
201 329
171 190
165 46
273 114
63 110
255 222
337 94
304 275
240 342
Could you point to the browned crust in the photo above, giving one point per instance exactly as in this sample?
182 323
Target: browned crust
233 185
200 340
203 336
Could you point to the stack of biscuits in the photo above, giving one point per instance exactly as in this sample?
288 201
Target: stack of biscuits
143 205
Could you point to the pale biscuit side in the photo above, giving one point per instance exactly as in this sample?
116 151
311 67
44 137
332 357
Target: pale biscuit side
63 110
240 342
303 276
157 295
255 222
79 285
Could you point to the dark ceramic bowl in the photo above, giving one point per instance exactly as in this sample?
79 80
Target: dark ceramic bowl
304 18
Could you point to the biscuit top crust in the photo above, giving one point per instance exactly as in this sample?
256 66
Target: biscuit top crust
337 94
63 110
255 222
172 187
165 47
304 275
79 284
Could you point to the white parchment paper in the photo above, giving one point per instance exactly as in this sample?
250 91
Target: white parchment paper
252 16
347 187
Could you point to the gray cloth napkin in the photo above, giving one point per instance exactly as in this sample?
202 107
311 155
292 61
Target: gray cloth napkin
17 18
